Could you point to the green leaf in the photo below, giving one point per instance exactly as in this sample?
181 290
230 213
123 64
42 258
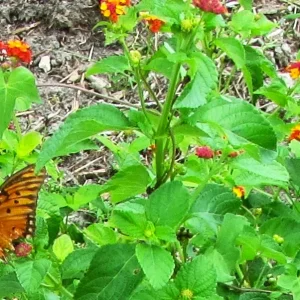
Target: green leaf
252 172
276 92
160 65
199 276
165 233
216 199
78 127
204 81
84 195
28 143
271 250
156 262
20 83
128 182
77 262
222 270
293 167
168 205
234 49
129 223
113 274
262 26
32 273
9 285
63 246
100 234
238 119
111 64
253 296
231 227
247 4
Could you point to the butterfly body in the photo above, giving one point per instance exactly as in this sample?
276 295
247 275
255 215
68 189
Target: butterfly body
18 197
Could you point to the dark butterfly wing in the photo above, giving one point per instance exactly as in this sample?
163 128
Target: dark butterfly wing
18 197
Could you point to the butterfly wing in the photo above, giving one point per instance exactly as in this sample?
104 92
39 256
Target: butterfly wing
18 196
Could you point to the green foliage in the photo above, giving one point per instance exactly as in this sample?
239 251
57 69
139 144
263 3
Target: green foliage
199 199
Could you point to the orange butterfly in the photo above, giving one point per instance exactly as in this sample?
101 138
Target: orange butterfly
18 197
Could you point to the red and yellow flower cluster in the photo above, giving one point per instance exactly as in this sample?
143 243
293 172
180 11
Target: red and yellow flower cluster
16 49
112 9
214 6
239 191
294 70
295 133
153 22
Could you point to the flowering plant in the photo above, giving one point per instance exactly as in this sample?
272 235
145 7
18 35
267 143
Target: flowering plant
202 202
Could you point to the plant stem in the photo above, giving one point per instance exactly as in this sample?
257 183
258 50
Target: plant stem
17 126
152 95
62 289
163 129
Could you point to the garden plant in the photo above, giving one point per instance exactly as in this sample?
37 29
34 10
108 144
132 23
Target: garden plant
203 200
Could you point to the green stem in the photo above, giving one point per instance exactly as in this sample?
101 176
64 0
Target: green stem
260 275
62 289
17 126
214 170
163 124
151 93
180 251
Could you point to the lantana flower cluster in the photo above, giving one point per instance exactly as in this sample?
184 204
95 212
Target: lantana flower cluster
17 50
214 6
294 70
112 9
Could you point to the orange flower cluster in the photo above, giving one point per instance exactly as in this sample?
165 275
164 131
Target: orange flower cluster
112 9
154 23
214 6
295 133
16 49
294 69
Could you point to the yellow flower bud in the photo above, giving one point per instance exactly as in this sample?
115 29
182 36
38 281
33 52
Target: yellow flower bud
135 56
187 25
187 294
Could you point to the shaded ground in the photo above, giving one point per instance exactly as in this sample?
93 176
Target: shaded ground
61 31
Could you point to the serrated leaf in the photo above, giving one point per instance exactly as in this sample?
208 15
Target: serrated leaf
78 127
28 143
32 273
84 195
63 246
168 205
113 274
203 82
199 276
20 83
238 119
252 172
216 199
156 262
129 223
100 234
234 49
9 285
128 182
293 167
231 227
222 270
77 262
270 249
111 64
